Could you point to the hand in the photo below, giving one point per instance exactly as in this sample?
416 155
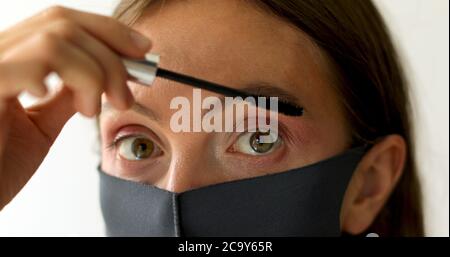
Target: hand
83 49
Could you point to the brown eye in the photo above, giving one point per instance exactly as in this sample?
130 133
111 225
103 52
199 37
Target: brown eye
257 145
252 143
136 148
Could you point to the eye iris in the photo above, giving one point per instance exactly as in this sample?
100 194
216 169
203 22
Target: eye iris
257 145
142 148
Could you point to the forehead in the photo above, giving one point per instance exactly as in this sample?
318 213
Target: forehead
205 37
236 43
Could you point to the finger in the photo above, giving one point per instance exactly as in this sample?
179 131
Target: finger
81 74
5 120
116 75
51 115
116 35
17 76
77 69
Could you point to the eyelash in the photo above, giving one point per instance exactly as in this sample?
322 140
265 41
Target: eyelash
284 134
116 141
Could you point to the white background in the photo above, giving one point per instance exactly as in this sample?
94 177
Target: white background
62 197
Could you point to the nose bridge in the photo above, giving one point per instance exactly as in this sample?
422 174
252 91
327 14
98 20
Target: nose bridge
190 164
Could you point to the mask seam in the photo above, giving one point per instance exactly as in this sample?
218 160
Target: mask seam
176 224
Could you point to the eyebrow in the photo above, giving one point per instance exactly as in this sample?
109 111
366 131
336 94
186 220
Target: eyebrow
136 107
286 106
254 89
267 90
270 90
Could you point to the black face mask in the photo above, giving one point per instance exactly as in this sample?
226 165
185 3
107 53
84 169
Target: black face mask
299 202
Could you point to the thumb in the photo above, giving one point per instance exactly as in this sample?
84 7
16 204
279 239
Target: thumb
51 115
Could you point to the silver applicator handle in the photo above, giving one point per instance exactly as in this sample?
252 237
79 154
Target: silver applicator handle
142 71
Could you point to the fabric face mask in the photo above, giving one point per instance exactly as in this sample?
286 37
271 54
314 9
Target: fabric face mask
299 202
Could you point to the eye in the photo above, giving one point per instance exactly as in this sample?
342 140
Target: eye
135 148
252 143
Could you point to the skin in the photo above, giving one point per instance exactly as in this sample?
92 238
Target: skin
225 52
82 49
234 46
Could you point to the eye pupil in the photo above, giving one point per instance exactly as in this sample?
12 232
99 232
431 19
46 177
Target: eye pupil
142 148
257 145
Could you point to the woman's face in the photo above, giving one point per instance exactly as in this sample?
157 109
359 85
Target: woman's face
232 43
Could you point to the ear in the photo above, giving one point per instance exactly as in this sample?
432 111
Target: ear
373 181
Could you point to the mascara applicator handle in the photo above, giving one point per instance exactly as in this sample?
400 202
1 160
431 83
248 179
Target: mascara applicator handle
142 71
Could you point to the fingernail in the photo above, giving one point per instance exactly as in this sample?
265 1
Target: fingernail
140 41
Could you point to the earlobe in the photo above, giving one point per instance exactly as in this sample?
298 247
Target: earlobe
372 183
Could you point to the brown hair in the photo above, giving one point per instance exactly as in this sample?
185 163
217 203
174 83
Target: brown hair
372 86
